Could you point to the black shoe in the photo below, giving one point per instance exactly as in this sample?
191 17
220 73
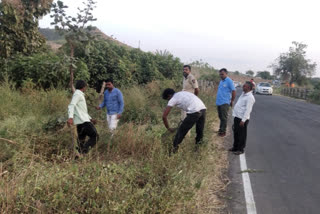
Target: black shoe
221 134
232 149
239 152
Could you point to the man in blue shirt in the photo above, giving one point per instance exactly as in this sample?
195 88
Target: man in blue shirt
225 97
113 101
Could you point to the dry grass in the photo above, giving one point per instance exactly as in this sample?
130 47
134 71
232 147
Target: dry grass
129 172
210 198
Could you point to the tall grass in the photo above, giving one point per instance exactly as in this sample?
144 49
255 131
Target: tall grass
129 172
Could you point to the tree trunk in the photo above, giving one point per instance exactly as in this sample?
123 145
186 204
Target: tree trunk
100 99
71 67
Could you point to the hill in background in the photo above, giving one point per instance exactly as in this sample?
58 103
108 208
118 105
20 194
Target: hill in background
55 40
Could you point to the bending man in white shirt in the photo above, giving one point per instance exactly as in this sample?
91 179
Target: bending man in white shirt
196 114
78 115
241 114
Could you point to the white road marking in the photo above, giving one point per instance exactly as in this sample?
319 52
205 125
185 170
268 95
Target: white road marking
250 204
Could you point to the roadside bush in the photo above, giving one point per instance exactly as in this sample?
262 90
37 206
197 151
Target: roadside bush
44 69
315 96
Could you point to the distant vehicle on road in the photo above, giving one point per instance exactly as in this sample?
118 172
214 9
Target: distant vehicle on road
264 88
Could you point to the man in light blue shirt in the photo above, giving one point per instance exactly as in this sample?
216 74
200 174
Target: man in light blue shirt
225 97
113 101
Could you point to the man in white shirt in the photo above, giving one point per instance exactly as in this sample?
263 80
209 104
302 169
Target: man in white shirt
78 115
241 114
196 114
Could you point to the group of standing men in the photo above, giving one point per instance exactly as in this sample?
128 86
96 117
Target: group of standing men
193 110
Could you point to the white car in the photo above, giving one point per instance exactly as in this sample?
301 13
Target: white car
264 88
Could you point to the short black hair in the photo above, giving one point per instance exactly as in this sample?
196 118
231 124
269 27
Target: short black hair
80 84
223 70
109 80
250 84
187 66
167 92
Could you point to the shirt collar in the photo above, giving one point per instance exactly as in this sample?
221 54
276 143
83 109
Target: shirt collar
224 79
246 94
79 91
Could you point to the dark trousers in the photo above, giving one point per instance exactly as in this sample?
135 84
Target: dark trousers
239 134
198 118
223 116
86 129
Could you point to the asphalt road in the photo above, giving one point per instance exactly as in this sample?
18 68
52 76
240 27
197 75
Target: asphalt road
283 149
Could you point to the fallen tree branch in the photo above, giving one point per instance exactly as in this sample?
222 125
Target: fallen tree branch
9 141
3 173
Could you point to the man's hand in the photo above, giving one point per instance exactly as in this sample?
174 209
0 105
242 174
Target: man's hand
171 130
231 103
118 116
98 108
70 122
241 124
93 121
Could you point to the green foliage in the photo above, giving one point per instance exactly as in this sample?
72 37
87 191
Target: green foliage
264 75
250 73
44 69
315 95
75 29
315 82
19 27
127 66
51 34
206 71
293 65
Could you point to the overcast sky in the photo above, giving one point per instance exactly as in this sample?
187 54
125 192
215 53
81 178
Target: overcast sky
238 35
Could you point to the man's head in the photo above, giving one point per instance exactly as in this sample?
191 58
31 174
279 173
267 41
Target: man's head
109 84
247 87
168 94
186 70
223 73
81 85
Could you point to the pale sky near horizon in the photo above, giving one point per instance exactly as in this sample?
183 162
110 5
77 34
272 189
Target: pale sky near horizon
238 35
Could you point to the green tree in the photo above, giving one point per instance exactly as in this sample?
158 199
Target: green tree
293 65
264 75
75 30
237 73
19 26
250 73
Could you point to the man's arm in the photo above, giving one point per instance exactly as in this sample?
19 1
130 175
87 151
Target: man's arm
233 97
103 104
164 118
73 103
194 84
196 91
121 104
247 113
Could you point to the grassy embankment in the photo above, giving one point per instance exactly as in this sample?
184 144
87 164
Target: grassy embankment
129 173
